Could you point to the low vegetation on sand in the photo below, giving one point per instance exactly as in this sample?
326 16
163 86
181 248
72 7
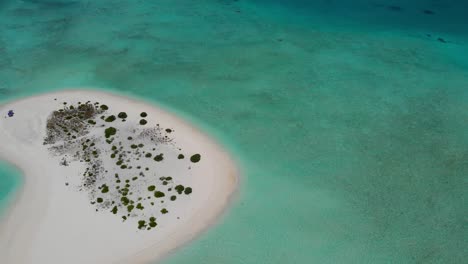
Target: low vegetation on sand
115 177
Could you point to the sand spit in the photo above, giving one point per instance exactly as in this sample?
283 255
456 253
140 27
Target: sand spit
107 180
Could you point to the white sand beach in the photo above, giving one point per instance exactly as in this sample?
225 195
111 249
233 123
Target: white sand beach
52 219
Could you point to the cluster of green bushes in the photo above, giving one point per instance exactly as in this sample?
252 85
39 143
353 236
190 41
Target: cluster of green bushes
124 203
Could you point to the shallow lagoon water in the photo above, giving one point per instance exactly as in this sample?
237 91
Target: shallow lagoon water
10 180
348 117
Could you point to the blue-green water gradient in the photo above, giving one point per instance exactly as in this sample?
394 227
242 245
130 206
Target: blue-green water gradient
349 118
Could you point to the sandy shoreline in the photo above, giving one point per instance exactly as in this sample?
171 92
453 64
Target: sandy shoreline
50 223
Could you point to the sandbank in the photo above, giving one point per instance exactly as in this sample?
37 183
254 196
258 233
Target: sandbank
52 219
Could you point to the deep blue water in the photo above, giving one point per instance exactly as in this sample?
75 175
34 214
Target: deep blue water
436 15
349 117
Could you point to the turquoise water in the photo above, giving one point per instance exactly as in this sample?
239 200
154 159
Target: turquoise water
349 117
10 180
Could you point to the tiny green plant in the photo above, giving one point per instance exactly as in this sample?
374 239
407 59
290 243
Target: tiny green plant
110 118
195 158
179 188
122 115
159 194
188 190
159 157
110 131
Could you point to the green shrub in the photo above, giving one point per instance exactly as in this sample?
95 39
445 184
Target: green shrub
153 224
104 107
159 157
159 194
110 118
124 200
179 188
105 189
180 156
140 145
151 188
143 114
141 224
110 131
164 211
195 158
188 190
114 210
173 198
148 155
99 200
122 115
143 122
140 207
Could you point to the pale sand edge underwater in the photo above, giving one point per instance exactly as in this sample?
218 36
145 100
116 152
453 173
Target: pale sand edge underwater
21 223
